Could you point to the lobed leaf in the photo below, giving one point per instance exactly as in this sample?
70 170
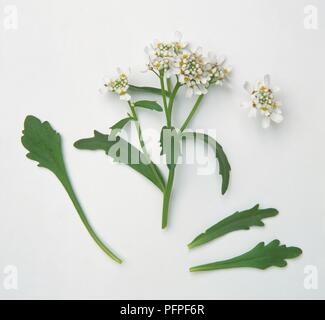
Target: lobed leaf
45 147
260 257
238 221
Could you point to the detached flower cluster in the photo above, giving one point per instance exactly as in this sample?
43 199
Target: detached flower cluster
263 101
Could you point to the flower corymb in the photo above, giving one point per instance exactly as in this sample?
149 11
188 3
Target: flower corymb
263 101
119 85
190 68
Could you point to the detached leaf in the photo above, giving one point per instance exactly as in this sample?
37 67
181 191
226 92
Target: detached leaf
121 124
45 147
123 152
238 221
147 90
170 142
261 257
152 105
224 166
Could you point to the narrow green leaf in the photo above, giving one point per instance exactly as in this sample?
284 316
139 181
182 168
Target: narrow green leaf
147 89
147 104
123 152
238 221
121 124
260 257
224 166
170 142
45 147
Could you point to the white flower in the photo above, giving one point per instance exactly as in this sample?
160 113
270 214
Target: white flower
162 55
216 70
263 102
191 70
118 85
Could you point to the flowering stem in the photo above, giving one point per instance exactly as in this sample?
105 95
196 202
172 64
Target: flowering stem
144 149
169 85
167 195
171 100
163 91
171 173
191 114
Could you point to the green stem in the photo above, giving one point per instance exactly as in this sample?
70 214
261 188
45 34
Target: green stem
169 85
171 172
167 195
144 149
68 187
191 114
171 100
163 92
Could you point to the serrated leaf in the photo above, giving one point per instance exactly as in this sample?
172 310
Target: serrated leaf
45 146
260 257
123 152
121 124
151 90
170 143
147 104
224 166
238 221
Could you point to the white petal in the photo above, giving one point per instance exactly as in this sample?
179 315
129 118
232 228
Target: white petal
252 113
189 93
265 122
248 87
267 80
203 89
221 60
125 97
276 117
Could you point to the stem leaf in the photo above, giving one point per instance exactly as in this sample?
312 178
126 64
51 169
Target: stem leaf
260 257
238 221
151 90
123 152
224 166
119 125
147 104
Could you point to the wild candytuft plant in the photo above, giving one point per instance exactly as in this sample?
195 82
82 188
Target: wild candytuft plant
177 67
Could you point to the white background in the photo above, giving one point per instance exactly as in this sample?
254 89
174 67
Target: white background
52 67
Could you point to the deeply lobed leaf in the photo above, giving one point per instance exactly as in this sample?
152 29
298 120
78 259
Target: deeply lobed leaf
238 221
260 257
